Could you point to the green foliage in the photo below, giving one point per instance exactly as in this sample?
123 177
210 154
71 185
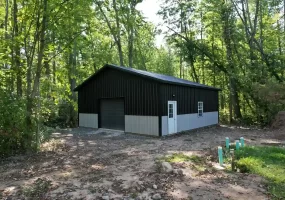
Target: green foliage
49 47
268 162
14 136
220 46
271 98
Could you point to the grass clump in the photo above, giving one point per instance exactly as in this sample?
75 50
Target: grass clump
268 162
180 157
197 162
38 189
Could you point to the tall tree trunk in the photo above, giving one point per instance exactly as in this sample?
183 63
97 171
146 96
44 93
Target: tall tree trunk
131 19
223 102
118 34
227 32
283 66
71 121
180 65
17 62
194 73
280 48
201 37
33 90
6 19
131 47
181 32
213 53
261 38
53 61
9 82
42 43
251 29
235 98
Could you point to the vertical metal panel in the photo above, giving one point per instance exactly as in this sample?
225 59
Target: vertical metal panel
111 83
164 125
88 120
187 99
147 125
191 121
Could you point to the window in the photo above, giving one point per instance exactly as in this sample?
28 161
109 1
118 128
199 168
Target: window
170 111
200 109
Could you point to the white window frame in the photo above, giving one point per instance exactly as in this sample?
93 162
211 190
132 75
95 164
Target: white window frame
200 108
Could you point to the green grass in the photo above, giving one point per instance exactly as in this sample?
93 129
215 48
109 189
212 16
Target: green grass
180 157
268 162
198 162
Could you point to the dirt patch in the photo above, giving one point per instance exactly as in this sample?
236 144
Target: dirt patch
279 121
86 164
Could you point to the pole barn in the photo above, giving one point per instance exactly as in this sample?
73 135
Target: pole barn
142 102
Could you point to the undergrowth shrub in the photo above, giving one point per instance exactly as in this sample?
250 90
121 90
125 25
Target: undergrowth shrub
38 189
14 136
270 99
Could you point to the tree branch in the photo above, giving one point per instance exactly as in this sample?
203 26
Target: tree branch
220 66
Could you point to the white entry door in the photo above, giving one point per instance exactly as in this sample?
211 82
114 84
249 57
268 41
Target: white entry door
172 115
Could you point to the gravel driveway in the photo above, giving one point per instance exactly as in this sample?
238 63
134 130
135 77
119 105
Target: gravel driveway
93 164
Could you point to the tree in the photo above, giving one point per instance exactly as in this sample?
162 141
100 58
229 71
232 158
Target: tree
226 39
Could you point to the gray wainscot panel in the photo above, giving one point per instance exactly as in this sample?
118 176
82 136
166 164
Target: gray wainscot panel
88 120
191 121
147 125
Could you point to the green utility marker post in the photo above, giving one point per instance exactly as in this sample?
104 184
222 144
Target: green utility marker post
220 154
227 143
242 141
237 144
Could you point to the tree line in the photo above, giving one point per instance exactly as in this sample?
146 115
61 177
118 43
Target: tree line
47 47
235 45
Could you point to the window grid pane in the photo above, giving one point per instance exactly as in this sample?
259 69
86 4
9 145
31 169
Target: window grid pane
170 110
200 108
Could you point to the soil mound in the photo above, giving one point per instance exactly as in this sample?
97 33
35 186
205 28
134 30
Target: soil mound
279 121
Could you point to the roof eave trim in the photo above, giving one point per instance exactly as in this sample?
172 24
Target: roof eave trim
142 75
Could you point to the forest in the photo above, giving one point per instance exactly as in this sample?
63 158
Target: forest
48 47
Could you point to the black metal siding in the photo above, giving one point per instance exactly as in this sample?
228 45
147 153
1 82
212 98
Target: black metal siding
187 99
143 96
140 94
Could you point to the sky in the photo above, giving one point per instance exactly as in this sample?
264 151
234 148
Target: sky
149 9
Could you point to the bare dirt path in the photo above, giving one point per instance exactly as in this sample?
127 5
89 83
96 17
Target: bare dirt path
113 165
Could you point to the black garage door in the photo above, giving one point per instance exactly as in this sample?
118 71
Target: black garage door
112 114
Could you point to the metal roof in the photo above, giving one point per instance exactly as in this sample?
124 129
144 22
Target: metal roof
151 75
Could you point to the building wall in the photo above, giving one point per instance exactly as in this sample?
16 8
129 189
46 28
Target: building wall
191 121
187 99
88 120
146 125
145 102
140 94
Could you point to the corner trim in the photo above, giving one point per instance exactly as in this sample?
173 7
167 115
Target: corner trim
159 126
